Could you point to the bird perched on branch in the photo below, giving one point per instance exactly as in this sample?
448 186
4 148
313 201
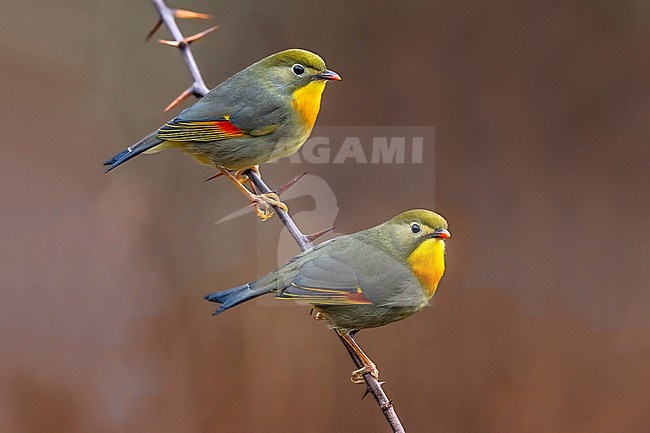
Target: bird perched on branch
262 113
362 280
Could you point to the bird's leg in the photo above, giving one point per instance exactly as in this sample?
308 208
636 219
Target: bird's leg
263 202
368 365
242 178
256 169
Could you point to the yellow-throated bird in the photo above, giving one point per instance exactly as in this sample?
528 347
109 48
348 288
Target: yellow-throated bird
260 114
362 280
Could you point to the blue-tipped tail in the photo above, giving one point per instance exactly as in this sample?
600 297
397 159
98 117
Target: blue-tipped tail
235 296
132 151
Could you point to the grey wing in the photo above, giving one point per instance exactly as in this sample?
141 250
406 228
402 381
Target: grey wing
325 280
250 106
346 270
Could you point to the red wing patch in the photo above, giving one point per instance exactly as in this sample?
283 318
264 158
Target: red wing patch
203 130
322 296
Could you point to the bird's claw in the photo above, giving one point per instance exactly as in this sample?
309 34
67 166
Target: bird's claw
241 177
357 375
241 174
264 205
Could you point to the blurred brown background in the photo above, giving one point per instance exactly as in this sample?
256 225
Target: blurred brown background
540 325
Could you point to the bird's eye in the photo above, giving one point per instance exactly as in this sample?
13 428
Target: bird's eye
415 228
298 69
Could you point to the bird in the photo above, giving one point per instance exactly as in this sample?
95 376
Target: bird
262 113
362 280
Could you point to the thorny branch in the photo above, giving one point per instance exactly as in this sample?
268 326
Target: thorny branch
198 88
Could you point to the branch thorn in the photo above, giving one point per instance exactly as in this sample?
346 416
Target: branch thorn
365 394
174 44
200 35
312 237
289 184
188 40
183 96
214 176
185 14
154 29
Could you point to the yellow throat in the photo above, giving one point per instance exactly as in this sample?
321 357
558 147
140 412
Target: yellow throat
306 100
428 264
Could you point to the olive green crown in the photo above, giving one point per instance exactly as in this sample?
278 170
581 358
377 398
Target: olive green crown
293 56
423 216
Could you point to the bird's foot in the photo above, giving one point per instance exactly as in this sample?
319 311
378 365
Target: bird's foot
319 316
241 174
241 177
264 204
357 375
